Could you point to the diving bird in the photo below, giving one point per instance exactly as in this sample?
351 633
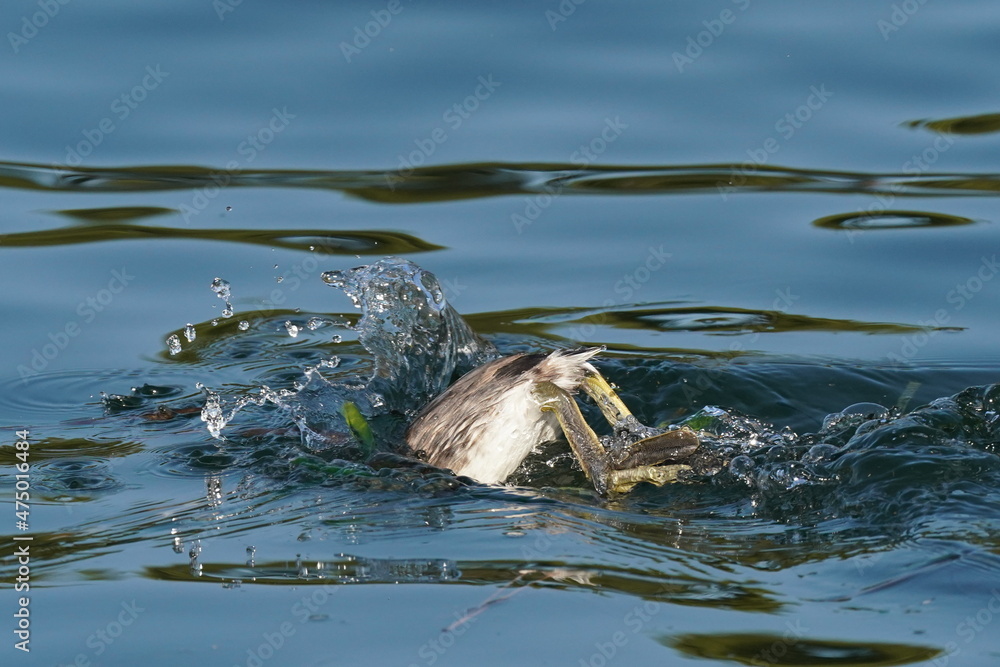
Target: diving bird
488 421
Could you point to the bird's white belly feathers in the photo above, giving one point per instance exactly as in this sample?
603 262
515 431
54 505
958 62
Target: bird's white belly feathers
509 437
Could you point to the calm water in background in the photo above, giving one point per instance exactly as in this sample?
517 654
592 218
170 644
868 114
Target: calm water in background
687 184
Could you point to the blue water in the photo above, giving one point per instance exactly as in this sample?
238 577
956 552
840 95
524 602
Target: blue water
780 209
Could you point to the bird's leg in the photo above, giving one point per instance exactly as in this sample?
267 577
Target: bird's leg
649 447
585 444
617 472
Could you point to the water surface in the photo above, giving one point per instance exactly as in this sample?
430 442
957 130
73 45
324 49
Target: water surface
780 210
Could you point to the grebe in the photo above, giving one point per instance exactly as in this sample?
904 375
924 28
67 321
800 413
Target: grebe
487 422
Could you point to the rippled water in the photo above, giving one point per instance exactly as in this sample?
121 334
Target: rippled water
779 218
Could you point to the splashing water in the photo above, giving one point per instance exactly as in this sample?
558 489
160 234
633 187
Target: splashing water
418 341
223 290
418 344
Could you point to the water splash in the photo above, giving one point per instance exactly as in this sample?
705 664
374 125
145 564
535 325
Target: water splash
418 341
223 290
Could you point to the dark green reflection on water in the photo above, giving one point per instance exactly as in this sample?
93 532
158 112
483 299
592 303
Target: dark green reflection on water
889 219
115 213
347 569
981 124
773 649
720 319
340 242
491 179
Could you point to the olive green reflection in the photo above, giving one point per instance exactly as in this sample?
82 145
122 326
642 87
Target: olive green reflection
348 569
720 319
115 213
774 649
492 179
891 219
340 242
981 124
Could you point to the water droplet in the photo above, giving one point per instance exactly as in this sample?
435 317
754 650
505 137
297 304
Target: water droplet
174 344
243 325
337 338
293 330
334 278
229 208
279 279
315 323
223 290
189 332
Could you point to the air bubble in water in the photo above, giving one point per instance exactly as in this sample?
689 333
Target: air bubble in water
742 468
174 344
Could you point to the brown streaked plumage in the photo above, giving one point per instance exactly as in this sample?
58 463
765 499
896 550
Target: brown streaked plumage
486 423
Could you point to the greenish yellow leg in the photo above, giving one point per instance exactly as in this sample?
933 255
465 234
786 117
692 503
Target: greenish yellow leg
612 407
621 481
586 446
